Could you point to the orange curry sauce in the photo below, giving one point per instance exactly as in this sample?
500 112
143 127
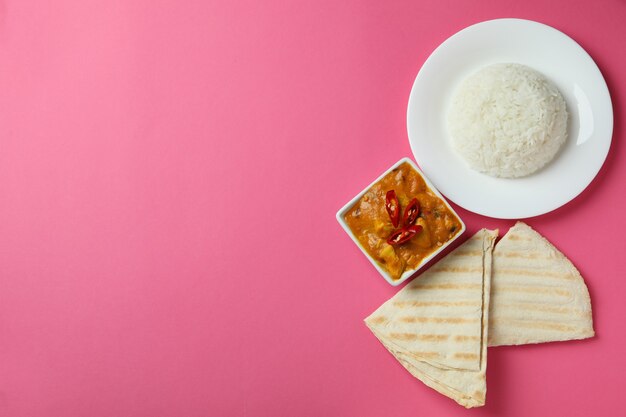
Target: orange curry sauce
370 223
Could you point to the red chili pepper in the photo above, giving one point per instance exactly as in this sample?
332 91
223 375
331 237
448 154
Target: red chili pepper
411 212
403 235
393 207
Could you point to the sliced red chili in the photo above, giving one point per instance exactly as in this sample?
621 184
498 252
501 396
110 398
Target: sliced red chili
393 207
403 235
411 212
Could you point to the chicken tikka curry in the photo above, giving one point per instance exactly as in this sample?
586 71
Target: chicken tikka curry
397 231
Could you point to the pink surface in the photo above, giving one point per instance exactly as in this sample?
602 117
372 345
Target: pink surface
169 175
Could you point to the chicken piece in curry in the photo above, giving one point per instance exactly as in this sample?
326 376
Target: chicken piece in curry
370 222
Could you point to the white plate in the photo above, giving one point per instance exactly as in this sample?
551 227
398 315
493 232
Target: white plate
563 62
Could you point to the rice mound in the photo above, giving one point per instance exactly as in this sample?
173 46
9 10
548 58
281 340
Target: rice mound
507 120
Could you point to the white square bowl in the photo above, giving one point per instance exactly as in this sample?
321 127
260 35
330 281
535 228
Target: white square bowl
341 219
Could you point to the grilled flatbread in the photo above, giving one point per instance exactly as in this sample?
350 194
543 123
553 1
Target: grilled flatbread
436 326
537 295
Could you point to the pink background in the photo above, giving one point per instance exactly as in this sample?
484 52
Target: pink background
169 175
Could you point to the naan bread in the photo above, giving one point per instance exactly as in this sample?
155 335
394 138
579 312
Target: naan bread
436 326
537 295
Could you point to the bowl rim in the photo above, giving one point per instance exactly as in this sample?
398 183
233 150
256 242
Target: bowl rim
407 274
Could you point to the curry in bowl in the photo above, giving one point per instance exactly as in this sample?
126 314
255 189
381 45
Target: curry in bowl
400 221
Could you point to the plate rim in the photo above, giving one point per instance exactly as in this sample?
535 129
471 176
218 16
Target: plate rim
528 213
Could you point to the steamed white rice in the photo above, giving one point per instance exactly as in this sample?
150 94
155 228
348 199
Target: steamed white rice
507 120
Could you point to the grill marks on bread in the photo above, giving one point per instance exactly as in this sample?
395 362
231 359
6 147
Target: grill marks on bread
537 293
436 325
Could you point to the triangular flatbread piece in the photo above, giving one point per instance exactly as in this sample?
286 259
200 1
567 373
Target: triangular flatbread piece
437 325
537 295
